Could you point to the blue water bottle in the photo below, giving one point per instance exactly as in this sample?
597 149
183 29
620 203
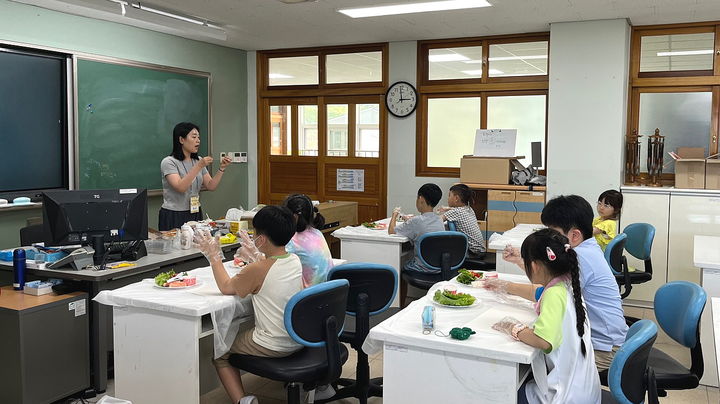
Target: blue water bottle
19 269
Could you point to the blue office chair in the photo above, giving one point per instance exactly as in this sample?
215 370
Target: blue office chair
372 291
678 308
314 317
639 242
630 377
475 262
442 251
618 264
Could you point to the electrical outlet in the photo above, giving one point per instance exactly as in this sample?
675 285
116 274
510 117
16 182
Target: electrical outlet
236 157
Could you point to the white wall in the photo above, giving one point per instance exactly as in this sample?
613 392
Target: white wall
587 106
402 182
252 130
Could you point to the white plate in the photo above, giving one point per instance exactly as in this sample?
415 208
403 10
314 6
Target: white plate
199 283
475 304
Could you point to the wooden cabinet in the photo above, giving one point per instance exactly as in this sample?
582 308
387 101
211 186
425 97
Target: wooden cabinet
337 214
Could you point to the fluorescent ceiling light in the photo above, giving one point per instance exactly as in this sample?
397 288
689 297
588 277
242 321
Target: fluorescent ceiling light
530 57
176 16
687 53
409 8
447 57
473 72
279 76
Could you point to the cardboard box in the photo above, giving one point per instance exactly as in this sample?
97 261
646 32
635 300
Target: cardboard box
690 168
487 170
712 173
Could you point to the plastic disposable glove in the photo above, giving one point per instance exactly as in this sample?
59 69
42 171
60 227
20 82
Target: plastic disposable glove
248 252
506 325
496 285
208 245
512 255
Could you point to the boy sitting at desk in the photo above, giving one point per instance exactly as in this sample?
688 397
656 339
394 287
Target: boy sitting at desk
270 282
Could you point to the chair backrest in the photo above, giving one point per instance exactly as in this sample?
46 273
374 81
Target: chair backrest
31 234
377 281
678 307
308 311
639 240
431 247
614 253
628 374
451 225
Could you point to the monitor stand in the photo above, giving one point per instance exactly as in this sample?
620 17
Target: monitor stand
98 244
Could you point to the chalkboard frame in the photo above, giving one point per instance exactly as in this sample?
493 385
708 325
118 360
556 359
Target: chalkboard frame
132 63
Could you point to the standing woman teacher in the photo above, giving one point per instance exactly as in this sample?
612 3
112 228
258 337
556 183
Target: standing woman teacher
183 174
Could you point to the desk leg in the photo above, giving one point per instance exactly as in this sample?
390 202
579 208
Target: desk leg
156 356
100 315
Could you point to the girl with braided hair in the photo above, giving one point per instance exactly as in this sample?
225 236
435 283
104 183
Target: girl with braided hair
562 330
309 243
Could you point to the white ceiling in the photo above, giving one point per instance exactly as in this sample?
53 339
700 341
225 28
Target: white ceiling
271 24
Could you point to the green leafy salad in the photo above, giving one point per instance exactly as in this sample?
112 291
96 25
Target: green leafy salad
162 278
453 298
467 277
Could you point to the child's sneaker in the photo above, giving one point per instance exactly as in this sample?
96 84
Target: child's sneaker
248 400
324 392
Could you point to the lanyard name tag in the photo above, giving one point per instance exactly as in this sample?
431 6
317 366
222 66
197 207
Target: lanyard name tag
194 204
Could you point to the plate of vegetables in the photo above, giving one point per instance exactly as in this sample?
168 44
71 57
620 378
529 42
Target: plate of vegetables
453 298
467 277
375 226
172 280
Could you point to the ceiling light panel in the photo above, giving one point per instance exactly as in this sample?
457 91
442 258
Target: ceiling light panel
410 8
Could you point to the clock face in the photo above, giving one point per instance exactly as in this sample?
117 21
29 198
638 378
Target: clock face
401 99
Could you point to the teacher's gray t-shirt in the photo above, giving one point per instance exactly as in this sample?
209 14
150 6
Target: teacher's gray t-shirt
172 199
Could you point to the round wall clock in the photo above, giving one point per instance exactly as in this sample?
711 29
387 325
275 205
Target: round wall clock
401 99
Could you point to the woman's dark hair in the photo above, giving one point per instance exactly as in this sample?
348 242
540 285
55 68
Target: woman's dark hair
568 212
538 247
307 214
463 192
614 199
276 223
182 130
431 193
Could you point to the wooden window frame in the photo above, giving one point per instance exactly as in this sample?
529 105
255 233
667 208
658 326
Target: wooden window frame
482 87
674 81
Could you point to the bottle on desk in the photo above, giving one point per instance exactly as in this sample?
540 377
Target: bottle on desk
19 269
186 237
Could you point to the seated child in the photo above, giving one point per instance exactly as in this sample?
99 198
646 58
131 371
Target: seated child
605 226
270 282
464 217
428 197
562 328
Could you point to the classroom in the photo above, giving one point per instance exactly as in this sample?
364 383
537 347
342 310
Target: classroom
337 201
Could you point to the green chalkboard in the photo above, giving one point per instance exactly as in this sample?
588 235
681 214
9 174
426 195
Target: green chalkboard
126 115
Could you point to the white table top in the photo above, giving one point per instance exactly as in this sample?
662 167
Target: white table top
405 328
363 233
706 252
716 327
513 237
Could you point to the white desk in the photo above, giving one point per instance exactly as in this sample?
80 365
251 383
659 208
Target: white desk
360 244
706 256
716 326
515 238
489 367
157 336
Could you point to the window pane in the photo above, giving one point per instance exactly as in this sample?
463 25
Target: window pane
526 113
367 130
337 126
293 71
280 124
683 118
455 63
354 67
518 59
665 53
451 129
308 130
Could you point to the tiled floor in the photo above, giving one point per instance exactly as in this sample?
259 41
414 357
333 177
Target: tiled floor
270 392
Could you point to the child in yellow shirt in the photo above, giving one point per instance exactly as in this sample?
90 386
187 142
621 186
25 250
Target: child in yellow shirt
605 225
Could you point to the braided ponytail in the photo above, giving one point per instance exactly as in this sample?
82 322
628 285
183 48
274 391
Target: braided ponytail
538 247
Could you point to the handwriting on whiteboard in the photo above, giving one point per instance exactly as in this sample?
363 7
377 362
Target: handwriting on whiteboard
495 142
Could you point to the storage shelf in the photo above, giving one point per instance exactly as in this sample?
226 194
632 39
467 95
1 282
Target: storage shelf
507 187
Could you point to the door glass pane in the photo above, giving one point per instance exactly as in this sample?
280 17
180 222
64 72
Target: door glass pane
337 127
367 130
518 59
683 118
455 63
666 53
281 125
354 67
451 129
293 71
526 113
308 130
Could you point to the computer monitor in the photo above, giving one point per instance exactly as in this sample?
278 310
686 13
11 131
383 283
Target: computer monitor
88 216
